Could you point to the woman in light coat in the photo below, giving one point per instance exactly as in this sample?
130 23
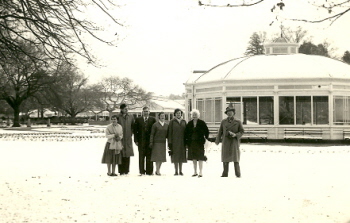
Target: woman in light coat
112 154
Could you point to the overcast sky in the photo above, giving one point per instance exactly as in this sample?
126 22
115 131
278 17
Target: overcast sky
163 41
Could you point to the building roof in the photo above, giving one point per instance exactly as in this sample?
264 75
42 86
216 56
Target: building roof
159 104
293 66
280 40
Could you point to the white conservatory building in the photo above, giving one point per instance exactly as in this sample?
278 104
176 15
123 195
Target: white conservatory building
279 95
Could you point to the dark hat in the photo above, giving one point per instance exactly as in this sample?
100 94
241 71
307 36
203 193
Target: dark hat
230 108
122 106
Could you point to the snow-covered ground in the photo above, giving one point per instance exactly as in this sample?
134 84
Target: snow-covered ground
65 182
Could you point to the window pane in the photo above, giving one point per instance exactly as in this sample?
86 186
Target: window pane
200 106
189 109
338 115
346 110
303 111
208 117
320 116
266 111
236 102
250 111
218 113
286 110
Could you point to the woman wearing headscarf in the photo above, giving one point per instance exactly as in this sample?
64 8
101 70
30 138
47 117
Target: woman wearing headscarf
176 141
196 134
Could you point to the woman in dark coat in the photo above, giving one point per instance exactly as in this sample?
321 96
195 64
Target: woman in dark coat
195 134
158 141
176 141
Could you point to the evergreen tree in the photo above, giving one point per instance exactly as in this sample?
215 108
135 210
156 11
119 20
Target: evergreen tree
311 49
255 46
346 57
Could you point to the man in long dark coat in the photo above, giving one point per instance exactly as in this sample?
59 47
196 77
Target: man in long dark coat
142 133
231 131
127 122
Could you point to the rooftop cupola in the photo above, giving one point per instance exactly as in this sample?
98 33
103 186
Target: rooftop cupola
281 46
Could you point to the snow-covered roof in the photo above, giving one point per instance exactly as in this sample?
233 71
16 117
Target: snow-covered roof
293 66
280 40
167 104
158 104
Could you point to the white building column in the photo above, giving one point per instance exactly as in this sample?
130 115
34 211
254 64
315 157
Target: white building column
276 111
223 105
330 111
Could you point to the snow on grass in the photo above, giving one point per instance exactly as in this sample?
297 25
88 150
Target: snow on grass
65 182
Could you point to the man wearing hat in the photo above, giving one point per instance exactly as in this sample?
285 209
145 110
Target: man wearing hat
127 123
230 132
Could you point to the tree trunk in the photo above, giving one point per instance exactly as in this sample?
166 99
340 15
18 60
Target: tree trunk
16 115
73 119
110 115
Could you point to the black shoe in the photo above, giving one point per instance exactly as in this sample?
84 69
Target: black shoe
200 176
113 175
176 174
223 175
158 174
109 174
194 175
181 174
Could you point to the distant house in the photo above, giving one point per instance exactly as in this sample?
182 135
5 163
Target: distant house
158 104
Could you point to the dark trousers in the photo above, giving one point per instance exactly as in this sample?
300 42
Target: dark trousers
125 166
226 168
145 154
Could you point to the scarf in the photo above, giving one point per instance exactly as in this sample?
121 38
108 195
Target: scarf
230 119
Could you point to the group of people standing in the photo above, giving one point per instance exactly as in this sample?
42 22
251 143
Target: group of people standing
185 141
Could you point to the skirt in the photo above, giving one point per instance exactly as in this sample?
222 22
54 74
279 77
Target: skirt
109 156
196 151
158 152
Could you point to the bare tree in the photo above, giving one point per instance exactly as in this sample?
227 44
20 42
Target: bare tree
115 91
246 3
293 35
70 92
333 9
57 26
5 109
22 78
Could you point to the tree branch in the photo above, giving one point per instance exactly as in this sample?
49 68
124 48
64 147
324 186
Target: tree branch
231 5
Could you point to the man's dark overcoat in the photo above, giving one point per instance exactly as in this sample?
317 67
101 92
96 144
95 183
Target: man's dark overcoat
230 151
